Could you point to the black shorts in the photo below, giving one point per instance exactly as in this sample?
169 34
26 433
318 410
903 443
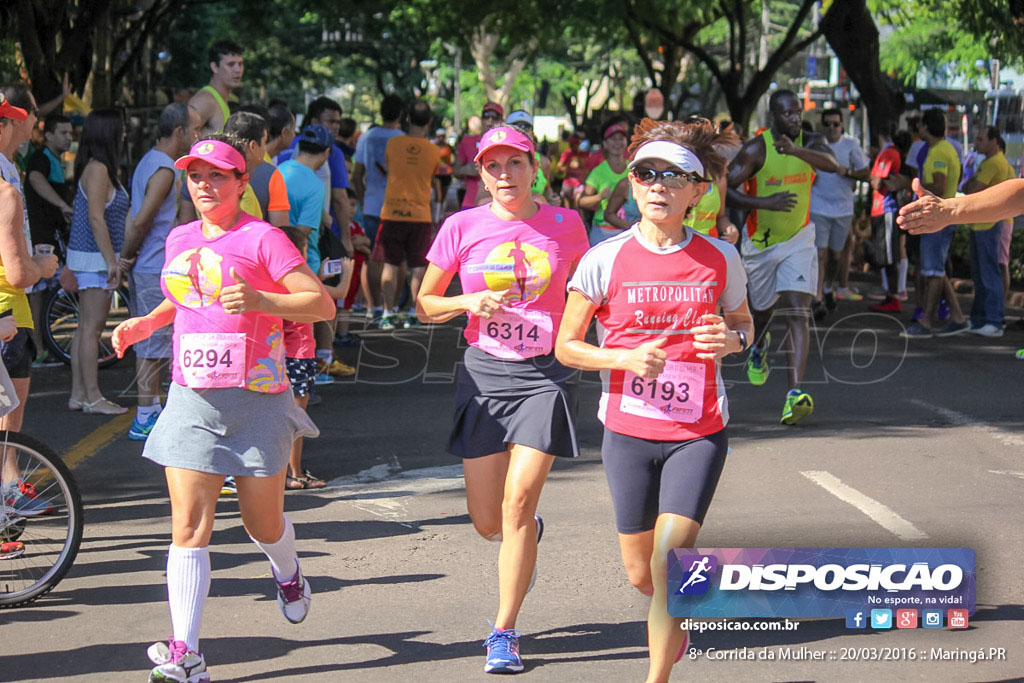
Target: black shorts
301 372
18 354
649 478
885 237
400 241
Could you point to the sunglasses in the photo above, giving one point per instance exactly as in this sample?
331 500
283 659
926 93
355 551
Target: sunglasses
669 178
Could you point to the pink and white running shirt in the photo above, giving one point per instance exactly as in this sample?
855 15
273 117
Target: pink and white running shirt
532 259
644 292
214 349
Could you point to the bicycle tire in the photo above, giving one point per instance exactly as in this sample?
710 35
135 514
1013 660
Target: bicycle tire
60 312
26 578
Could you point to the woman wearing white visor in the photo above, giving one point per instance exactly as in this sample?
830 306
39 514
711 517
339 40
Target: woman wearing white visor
655 290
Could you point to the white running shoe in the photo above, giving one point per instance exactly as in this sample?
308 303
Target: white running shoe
175 663
294 596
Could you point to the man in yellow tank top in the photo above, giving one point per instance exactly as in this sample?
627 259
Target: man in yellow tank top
777 168
212 100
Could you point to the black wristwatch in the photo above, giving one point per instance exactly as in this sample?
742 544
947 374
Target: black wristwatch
743 340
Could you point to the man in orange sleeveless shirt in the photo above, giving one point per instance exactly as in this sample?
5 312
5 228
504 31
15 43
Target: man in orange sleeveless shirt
777 168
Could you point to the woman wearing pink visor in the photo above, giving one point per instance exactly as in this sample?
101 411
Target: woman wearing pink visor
229 281
515 404
656 290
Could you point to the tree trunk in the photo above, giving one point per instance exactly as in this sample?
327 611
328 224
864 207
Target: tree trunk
850 30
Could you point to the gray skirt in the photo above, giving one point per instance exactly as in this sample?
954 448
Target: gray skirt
530 402
234 432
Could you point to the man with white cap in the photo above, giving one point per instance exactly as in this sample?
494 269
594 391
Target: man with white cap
777 167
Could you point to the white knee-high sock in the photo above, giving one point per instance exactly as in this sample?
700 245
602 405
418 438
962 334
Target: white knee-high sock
904 266
188 584
283 558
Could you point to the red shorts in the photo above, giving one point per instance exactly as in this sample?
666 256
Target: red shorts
399 241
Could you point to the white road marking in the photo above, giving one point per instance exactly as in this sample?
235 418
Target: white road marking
961 420
869 506
1012 473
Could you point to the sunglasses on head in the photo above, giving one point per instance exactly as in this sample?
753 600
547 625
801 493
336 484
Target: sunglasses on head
668 178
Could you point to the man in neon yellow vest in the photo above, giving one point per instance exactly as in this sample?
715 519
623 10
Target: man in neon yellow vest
777 167
212 100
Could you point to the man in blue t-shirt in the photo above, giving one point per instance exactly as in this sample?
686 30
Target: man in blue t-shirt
305 190
325 112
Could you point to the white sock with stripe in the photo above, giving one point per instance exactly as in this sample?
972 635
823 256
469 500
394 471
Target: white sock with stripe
283 558
188 584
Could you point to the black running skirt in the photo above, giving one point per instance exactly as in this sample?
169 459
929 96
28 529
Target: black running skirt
499 402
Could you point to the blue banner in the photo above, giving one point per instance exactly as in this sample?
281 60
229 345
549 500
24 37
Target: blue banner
817 582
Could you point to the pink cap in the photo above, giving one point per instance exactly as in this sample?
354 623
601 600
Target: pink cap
617 129
220 154
503 136
9 111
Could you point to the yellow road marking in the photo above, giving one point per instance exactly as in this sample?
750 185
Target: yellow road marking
98 439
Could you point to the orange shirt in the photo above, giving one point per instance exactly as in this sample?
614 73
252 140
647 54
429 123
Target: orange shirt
412 164
278 193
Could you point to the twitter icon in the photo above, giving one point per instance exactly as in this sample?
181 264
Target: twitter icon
881 618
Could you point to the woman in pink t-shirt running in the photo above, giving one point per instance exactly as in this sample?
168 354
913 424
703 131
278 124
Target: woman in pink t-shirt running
229 281
515 403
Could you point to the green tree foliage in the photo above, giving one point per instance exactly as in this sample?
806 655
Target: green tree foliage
950 35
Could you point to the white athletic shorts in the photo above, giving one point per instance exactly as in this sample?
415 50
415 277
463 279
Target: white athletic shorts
790 266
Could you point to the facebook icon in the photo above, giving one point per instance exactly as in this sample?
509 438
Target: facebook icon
855 618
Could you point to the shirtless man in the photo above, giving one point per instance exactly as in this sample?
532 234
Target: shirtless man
212 100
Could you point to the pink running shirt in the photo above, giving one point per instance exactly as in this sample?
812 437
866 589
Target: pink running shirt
465 154
208 341
532 259
644 292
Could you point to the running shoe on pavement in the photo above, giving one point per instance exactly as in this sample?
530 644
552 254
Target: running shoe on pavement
175 663
890 305
757 362
11 549
139 431
294 597
799 405
339 369
540 533
987 330
22 498
953 328
917 331
228 488
847 294
503 652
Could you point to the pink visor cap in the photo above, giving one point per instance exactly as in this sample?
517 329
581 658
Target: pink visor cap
503 136
220 154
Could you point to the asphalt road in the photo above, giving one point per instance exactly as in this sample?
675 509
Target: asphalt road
932 431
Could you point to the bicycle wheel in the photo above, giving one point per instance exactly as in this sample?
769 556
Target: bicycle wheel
61 315
51 529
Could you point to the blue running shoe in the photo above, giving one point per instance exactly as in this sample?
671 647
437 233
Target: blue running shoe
503 652
21 497
139 431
